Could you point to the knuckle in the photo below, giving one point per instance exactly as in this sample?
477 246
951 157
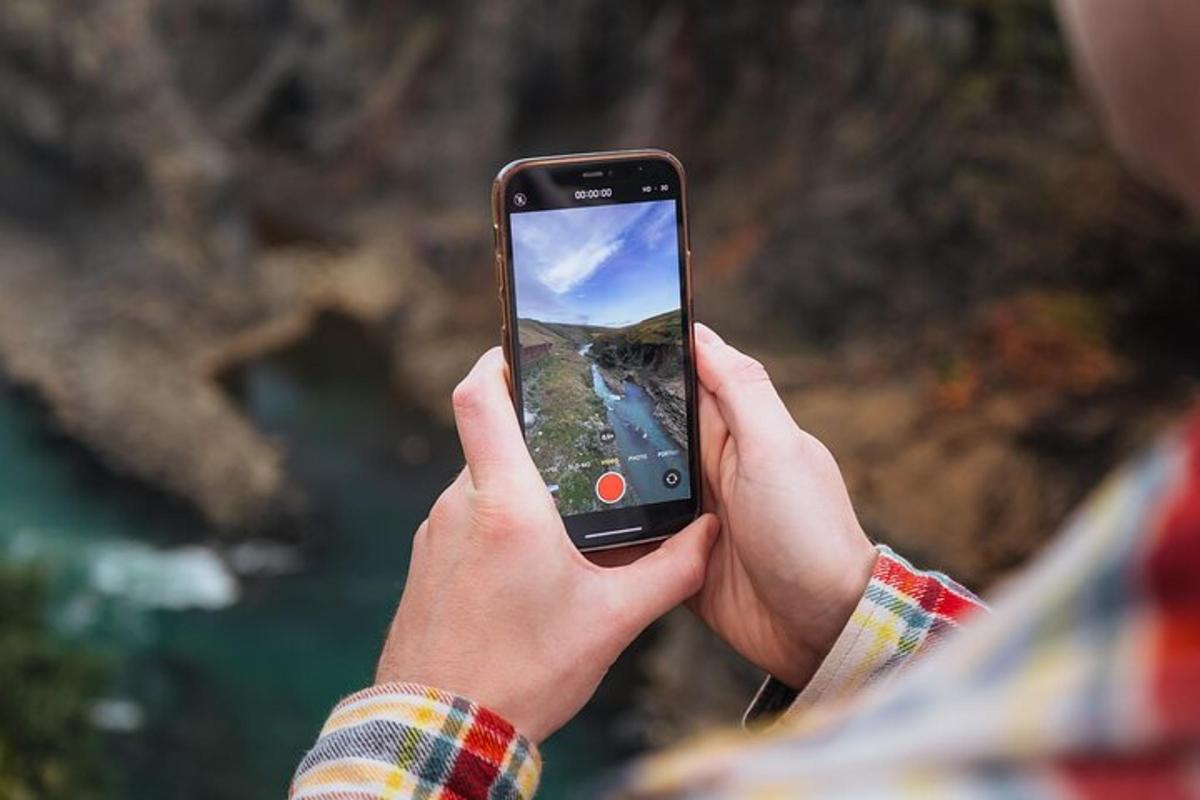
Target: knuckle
421 537
805 446
744 371
693 568
749 370
619 610
493 514
440 514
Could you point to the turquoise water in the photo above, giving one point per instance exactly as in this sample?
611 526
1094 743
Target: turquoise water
645 448
223 678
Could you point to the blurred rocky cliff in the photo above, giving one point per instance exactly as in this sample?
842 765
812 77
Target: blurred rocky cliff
187 184
904 207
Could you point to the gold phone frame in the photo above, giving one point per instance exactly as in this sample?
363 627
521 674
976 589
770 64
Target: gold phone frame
503 268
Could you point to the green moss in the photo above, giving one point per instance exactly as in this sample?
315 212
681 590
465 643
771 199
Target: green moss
568 417
48 747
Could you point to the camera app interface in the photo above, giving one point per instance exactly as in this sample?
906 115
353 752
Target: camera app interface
600 330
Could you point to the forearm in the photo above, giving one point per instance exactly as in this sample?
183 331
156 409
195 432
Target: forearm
402 740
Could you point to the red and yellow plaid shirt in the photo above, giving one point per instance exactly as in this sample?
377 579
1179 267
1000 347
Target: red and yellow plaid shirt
1083 682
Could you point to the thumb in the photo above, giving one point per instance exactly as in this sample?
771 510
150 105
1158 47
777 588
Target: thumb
663 579
747 399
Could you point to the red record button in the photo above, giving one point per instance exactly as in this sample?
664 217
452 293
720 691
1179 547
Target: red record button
610 487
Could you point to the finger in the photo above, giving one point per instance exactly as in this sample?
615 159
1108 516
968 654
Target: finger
661 580
706 334
487 424
748 402
714 436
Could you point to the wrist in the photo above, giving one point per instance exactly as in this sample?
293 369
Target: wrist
846 592
821 631
498 688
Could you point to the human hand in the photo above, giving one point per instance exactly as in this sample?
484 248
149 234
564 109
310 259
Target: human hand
500 606
792 560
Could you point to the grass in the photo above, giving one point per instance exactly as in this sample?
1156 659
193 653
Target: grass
568 420
664 328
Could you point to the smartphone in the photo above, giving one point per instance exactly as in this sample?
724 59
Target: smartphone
593 265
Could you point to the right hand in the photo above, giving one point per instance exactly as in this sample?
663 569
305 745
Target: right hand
792 560
499 606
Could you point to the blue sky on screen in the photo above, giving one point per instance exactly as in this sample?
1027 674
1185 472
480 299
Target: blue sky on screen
597 265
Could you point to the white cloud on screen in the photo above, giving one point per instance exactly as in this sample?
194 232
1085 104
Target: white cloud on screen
660 226
578 266
562 249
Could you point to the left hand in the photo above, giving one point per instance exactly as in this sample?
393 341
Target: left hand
792 561
500 606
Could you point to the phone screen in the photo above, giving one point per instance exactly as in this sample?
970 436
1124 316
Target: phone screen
602 348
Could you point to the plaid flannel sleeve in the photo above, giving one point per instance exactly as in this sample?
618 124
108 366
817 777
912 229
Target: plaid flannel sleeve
403 740
904 612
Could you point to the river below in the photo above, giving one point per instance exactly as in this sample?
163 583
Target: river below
646 450
226 660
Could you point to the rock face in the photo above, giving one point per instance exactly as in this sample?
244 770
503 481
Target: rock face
137 259
670 405
649 354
